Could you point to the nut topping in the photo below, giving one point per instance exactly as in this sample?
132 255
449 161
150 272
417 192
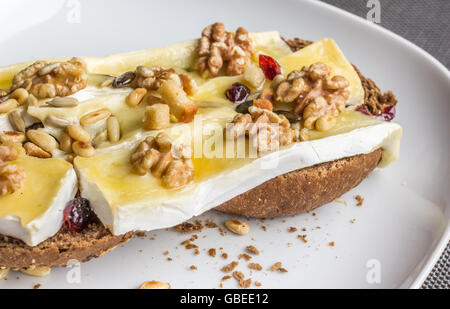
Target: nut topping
50 80
316 96
156 154
219 48
12 178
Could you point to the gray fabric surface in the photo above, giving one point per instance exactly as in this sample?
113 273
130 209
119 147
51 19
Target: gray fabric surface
426 24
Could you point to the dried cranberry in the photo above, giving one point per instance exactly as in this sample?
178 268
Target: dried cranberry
237 93
387 115
78 214
270 67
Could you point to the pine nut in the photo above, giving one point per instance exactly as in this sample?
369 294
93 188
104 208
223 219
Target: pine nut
325 123
100 138
37 271
13 137
36 151
78 133
154 285
57 122
8 105
83 149
63 102
237 227
135 97
4 273
65 142
32 101
43 140
94 117
20 95
113 127
16 120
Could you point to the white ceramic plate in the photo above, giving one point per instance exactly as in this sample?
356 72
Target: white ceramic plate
404 223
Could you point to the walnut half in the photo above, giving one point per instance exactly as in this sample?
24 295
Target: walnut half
12 178
164 159
219 49
49 80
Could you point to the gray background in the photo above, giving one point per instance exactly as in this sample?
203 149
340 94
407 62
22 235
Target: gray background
426 23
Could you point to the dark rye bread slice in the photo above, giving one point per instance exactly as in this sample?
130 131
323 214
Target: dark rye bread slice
335 178
303 190
93 241
306 189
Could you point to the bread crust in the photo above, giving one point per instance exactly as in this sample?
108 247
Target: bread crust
303 190
57 251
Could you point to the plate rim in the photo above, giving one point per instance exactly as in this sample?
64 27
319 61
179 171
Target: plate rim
433 257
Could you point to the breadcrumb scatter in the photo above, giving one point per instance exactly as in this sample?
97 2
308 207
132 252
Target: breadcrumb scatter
360 200
258 284
245 257
224 255
227 277
212 252
187 227
302 238
36 286
230 267
292 229
255 266
331 244
252 249
193 267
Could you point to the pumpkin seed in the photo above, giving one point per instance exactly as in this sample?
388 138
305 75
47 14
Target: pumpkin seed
57 122
16 120
243 107
124 80
292 117
63 102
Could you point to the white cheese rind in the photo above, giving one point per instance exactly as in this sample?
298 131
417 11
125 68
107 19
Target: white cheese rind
157 214
49 223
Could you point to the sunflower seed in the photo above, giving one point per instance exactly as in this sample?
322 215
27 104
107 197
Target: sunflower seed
100 138
16 120
63 102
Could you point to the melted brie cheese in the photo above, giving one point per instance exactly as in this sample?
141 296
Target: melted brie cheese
124 201
35 212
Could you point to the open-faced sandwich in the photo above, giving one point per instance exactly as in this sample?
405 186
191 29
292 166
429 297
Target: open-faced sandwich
94 149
